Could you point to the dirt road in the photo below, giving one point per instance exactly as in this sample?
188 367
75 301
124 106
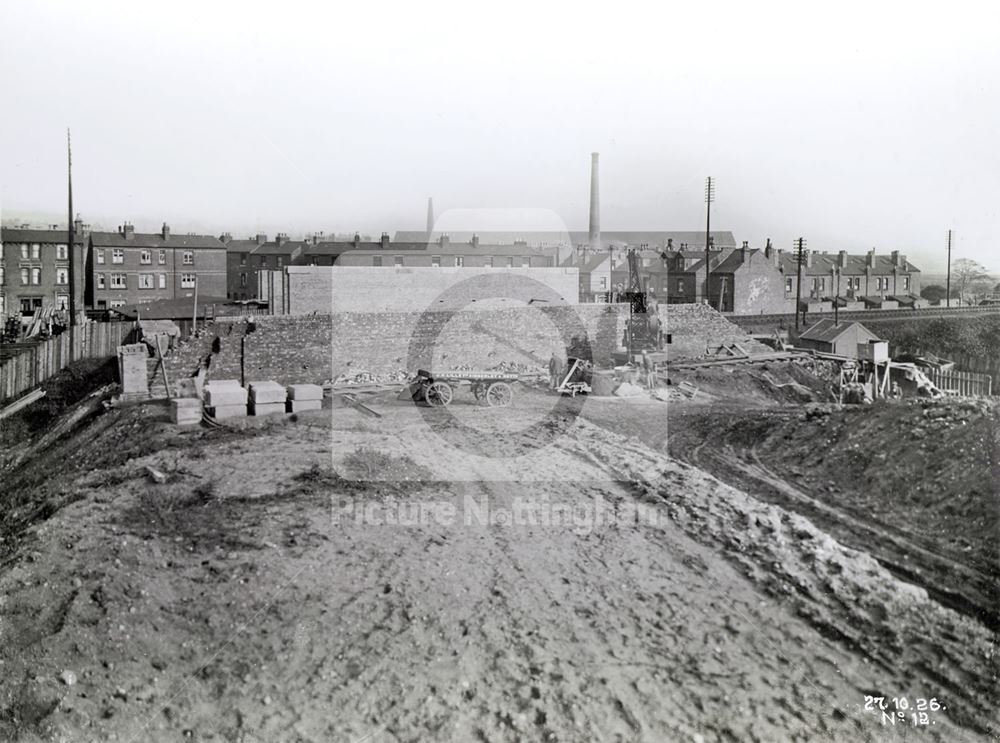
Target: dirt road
261 595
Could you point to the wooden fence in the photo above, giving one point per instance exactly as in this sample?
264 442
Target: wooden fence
962 382
26 365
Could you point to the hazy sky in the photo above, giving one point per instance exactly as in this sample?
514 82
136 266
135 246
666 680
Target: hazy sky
856 126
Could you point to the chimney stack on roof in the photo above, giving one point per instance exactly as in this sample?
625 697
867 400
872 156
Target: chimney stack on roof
261 238
166 231
898 260
842 259
385 241
281 238
475 241
595 204
128 230
871 258
357 239
444 240
226 237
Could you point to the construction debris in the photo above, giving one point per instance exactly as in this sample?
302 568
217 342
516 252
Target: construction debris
303 397
155 475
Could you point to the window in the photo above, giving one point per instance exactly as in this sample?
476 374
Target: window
62 275
24 251
145 256
510 263
36 276
163 257
604 282
163 281
36 250
24 277
3 306
822 284
117 281
61 252
906 283
187 281
116 303
376 260
263 261
243 259
62 301
145 281
99 255
243 279
488 261
280 261
117 255
3 276
100 281
459 261
188 258
526 262
788 284
550 262
435 261
398 261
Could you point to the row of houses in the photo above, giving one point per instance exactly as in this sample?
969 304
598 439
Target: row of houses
115 269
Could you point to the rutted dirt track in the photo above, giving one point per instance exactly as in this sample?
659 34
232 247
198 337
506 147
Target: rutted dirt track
220 606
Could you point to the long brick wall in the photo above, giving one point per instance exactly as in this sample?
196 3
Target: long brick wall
318 348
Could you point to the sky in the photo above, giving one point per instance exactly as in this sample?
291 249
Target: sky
854 125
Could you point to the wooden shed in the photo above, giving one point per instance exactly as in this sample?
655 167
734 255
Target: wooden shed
829 337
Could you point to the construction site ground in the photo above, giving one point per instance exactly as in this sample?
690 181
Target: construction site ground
252 597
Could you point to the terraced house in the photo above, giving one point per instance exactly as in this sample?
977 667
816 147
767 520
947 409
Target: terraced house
35 271
127 267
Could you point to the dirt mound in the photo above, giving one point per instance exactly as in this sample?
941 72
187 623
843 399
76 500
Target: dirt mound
772 383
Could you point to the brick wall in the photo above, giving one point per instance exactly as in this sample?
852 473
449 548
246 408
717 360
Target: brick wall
317 348
325 289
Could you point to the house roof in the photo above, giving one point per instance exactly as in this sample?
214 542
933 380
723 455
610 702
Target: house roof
143 240
553 238
169 309
15 235
435 248
587 264
827 331
288 247
823 263
241 246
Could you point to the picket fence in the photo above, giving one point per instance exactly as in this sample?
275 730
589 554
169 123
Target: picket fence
962 382
26 365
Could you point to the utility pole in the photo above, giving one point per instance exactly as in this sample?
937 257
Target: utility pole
947 289
709 198
71 246
800 258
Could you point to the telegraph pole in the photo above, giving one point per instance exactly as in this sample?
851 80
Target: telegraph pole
947 289
800 258
709 198
71 247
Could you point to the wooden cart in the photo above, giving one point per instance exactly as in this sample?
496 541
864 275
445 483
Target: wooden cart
492 388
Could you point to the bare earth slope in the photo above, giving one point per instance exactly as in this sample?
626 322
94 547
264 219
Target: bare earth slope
246 599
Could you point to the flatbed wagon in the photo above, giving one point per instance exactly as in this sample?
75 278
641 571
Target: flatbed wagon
492 388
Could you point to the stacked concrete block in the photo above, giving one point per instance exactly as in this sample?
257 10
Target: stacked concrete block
267 398
224 398
132 370
185 411
304 397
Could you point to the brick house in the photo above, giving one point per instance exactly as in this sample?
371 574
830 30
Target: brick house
872 280
34 270
127 267
241 282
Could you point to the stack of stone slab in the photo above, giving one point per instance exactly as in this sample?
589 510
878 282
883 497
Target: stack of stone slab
304 397
267 398
185 411
225 398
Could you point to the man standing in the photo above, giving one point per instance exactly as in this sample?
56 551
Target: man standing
555 369
649 366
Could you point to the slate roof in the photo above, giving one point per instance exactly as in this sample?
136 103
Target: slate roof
856 265
169 309
552 238
241 246
142 240
15 235
827 331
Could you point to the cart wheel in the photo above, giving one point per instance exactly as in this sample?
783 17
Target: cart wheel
499 395
438 394
477 390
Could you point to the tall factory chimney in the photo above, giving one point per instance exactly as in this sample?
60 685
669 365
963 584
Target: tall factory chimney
430 215
595 204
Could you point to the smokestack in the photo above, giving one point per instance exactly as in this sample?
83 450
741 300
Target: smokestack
595 204
430 215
